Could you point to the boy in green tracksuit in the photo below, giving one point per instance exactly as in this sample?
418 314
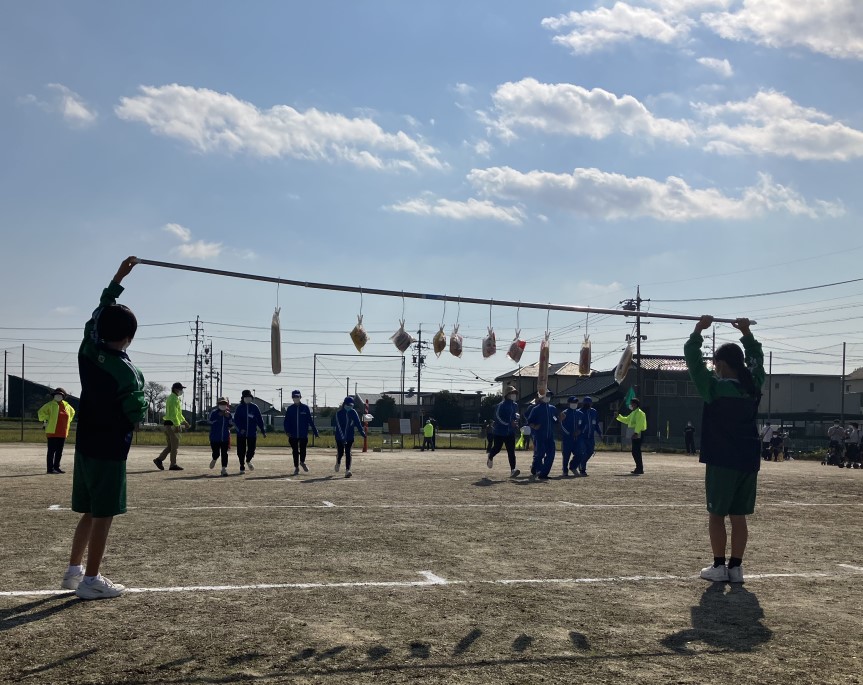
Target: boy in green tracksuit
637 421
730 443
112 403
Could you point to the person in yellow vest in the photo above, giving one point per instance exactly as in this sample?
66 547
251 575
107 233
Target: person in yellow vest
171 423
637 421
428 436
57 415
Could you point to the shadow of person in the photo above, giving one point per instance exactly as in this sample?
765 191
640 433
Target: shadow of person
36 610
730 621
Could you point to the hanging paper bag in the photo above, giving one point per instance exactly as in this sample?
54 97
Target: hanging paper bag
401 338
276 343
623 365
584 358
516 348
359 335
439 342
489 344
542 371
456 342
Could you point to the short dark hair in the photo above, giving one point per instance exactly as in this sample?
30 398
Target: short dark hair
635 400
116 322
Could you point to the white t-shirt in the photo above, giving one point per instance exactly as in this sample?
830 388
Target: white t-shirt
767 434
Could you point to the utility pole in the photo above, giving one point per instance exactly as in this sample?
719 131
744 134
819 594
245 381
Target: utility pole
221 371
842 389
634 305
195 376
770 387
22 393
5 382
419 360
281 401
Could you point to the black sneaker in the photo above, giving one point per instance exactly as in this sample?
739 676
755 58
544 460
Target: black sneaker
57 469
532 471
242 469
159 464
175 467
636 472
584 474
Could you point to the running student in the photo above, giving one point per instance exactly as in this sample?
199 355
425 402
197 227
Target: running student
346 419
542 419
248 419
112 404
298 420
570 420
503 430
220 434
587 432
729 440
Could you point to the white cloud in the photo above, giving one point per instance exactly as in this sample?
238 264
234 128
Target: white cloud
65 102
461 211
599 29
463 89
483 148
199 249
563 108
65 310
181 232
770 123
219 122
603 195
830 27
720 66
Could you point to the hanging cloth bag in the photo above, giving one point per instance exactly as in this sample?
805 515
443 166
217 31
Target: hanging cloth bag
489 344
584 357
623 365
276 343
358 335
542 371
401 338
439 342
456 342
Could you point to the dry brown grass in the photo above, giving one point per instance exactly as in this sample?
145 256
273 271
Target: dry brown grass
404 513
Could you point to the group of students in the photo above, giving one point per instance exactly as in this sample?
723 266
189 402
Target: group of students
578 424
844 450
246 420
113 402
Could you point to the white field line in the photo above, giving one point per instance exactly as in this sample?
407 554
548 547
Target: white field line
432 580
511 505
852 568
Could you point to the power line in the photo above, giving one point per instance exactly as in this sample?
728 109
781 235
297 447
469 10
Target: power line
775 292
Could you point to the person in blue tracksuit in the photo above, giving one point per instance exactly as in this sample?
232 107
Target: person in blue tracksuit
588 430
346 419
298 420
543 418
220 433
248 419
570 425
504 429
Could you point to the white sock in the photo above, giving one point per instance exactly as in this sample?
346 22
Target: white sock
91 579
74 570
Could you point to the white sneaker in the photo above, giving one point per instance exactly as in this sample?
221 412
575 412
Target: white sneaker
514 473
100 588
296 472
716 574
72 579
304 467
224 471
213 464
489 462
249 466
338 466
735 575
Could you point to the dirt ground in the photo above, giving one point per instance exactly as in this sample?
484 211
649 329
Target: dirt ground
430 566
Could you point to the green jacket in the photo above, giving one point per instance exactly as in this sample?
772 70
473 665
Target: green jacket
708 384
637 420
50 412
174 410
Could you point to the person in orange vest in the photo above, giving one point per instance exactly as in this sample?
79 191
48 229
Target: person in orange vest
57 416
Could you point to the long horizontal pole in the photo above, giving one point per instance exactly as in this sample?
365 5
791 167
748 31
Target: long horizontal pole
426 296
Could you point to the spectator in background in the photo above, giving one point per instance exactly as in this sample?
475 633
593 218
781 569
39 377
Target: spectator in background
852 445
689 436
766 437
57 416
428 436
525 434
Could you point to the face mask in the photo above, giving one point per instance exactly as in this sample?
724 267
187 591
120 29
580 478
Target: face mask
296 400
247 400
58 398
223 407
511 396
546 400
178 393
573 405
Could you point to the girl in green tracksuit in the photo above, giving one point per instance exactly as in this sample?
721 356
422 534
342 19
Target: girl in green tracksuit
730 445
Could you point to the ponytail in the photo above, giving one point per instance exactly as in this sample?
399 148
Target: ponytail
732 355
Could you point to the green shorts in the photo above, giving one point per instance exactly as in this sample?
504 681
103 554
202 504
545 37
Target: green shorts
98 486
730 492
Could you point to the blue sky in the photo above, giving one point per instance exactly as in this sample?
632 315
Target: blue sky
547 152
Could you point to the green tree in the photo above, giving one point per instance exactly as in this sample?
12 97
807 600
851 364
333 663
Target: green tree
384 409
446 410
486 407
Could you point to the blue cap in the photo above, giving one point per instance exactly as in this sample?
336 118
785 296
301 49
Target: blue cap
588 400
349 400
296 393
573 399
